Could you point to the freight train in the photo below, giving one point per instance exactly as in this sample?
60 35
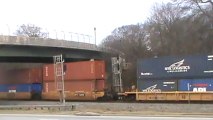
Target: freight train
171 78
21 83
83 80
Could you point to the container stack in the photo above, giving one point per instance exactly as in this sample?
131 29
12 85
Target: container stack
20 83
82 80
167 74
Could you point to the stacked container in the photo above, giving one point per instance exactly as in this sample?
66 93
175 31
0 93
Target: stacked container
195 85
21 83
157 85
2 76
84 80
173 73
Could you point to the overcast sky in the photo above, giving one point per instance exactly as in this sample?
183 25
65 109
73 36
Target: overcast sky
79 16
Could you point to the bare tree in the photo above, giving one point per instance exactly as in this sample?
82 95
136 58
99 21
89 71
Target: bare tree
202 15
198 7
30 30
177 30
172 29
130 40
164 28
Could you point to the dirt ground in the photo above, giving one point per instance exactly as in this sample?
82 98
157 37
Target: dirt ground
109 108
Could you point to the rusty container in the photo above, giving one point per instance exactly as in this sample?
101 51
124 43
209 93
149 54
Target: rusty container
85 70
48 72
100 85
36 75
74 90
75 85
2 77
49 86
17 76
21 76
88 70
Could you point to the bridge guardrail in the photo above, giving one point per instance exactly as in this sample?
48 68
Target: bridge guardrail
48 42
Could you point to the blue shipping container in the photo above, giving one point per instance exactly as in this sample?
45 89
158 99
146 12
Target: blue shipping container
37 87
195 85
3 88
157 85
197 66
15 87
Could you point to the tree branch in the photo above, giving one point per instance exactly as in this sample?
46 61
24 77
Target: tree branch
199 7
208 1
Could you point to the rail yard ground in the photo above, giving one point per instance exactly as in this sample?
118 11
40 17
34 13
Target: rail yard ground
108 108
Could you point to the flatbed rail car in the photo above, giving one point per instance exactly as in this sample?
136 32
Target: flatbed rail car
175 78
177 96
81 95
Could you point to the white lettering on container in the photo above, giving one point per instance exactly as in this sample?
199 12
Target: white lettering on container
12 91
199 89
168 82
208 71
46 71
177 67
147 74
152 89
47 86
210 57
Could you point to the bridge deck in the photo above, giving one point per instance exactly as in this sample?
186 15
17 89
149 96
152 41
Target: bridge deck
45 42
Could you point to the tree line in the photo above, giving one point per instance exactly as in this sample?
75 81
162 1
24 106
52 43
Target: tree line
179 27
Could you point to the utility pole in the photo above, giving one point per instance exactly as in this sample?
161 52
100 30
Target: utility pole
95 34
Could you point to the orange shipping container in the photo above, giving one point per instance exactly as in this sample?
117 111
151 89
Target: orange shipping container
75 90
100 85
88 70
85 70
48 72
2 77
72 86
76 85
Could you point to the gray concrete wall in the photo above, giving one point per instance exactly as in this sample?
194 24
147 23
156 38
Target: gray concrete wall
46 42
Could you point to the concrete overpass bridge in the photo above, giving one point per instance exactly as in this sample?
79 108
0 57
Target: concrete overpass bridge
41 50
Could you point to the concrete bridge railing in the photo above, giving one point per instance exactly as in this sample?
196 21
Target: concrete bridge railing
46 42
